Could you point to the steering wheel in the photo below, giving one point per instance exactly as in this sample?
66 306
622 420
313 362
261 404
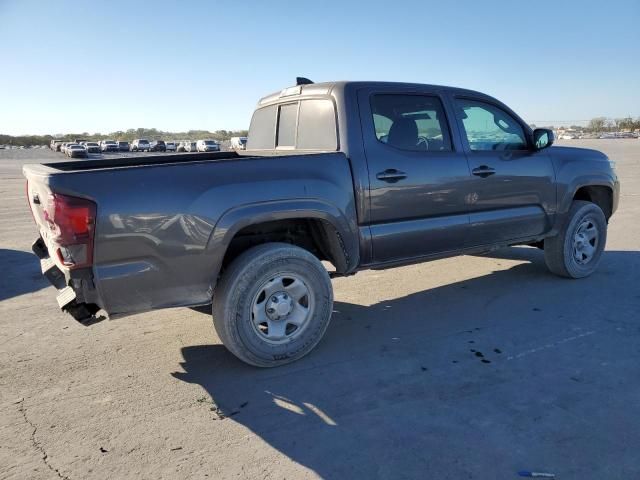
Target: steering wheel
423 141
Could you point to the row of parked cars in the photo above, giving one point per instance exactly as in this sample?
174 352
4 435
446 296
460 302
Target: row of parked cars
81 148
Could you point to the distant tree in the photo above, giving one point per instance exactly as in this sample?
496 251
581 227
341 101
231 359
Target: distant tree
597 124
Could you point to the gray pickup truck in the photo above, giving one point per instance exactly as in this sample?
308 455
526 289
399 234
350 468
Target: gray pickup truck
363 175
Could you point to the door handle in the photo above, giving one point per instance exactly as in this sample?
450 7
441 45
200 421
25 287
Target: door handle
391 175
483 171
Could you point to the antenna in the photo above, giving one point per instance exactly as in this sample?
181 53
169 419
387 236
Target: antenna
303 81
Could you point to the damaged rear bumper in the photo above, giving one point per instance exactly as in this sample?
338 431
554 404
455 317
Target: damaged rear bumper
77 294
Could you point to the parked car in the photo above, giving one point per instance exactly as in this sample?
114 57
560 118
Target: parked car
171 146
157 146
139 145
56 145
238 143
569 136
92 147
109 146
63 147
123 146
458 172
191 146
182 147
76 150
207 146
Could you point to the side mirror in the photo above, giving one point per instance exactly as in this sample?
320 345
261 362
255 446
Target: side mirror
543 138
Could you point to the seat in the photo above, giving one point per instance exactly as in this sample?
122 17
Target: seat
403 134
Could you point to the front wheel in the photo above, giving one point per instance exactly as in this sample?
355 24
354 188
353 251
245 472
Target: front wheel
576 251
273 304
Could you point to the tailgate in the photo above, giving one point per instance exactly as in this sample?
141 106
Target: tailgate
65 244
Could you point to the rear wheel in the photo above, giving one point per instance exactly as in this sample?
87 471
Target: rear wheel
576 251
273 304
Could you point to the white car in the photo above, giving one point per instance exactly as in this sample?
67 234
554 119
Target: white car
139 145
191 147
109 146
207 146
569 136
238 143
171 146
76 150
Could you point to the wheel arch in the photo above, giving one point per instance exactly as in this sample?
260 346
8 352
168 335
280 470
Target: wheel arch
332 236
592 188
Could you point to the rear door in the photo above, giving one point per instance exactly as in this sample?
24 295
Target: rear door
418 175
512 194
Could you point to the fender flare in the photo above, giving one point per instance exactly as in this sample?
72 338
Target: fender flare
564 203
343 241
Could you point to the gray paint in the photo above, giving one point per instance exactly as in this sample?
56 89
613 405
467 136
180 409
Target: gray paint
163 228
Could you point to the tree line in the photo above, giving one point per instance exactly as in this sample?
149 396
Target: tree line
128 135
604 124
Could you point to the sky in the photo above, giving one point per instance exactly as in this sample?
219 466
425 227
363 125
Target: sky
102 66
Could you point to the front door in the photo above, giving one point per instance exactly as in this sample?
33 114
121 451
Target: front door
418 177
512 194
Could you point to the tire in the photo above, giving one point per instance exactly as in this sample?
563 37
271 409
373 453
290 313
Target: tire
272 278
575 252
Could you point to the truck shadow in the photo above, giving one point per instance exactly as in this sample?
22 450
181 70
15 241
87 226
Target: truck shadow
20 274
397 389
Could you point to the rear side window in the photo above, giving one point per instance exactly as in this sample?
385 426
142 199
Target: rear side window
262 129
410 122
287 121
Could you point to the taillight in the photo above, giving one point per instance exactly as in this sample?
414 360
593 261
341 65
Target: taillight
71 223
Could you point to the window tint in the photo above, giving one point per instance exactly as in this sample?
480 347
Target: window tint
490 128
410 122
317 125
287 120
262 129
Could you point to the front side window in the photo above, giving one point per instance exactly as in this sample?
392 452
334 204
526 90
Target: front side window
410 122
488 127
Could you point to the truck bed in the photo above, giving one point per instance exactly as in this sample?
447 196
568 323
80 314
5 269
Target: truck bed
138 161
163 222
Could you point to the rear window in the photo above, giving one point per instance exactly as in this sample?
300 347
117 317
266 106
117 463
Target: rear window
304 125
317 125
262 129
287 119
209 142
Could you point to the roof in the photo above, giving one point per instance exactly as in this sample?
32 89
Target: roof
326 88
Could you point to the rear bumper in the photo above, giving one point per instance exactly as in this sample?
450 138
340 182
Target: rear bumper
77 295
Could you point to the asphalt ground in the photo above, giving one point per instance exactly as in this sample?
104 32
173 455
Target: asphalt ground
472 367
